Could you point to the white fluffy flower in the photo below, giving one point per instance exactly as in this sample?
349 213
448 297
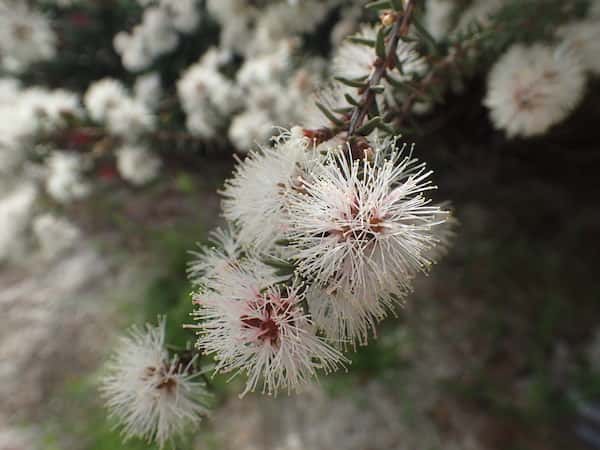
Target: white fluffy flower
354 61
148 89
137 165
55 235
184 14
255 197
250 128
281 19
102 96
151 395
159 35
343 321
25 36
130 118
362 229
438 17
9 90
532 88
214 260
65 181
583 38
207 97
48 110
132 48
262 331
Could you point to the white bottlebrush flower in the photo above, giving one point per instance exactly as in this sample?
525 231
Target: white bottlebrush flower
215 259
184 14
343 319
533 88
132 48
25 36
438 17
148 89
159 35
268 67
261 331
354 61
9 90
137 165
225 10
281 19
207 97
64 180
49 110
250 128
363 228
332 97
102 96
255 197
55 235
583 38
152 395
130 119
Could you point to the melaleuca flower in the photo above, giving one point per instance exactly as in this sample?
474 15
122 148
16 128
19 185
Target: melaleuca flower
215 259
583 38
137 165
438 17
25 37
354 61
49 110
148 89
250 128
344 319
362 228
254 199
207 97
260 330
532 88
103 96
184 14
331 97
65 180
152 395
130 118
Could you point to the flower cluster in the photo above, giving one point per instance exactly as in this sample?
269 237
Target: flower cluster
158 33
152 394
26 36
344 237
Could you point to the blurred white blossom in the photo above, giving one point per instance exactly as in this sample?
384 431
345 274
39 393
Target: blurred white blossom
65 181
137 165
533 88
26 36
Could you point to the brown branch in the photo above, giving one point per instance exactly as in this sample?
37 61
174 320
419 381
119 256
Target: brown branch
400 29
